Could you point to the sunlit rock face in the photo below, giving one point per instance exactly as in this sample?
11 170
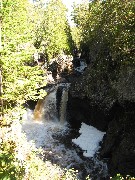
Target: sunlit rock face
60 65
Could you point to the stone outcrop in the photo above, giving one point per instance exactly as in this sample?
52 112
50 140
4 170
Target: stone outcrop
107 101
61 64
119 142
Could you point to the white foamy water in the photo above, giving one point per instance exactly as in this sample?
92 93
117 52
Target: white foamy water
89 139
47 131
82 66
40 131
42 134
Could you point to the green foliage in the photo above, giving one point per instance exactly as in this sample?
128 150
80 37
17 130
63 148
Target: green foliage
106 37
16 26
20 80
53 34
108 26
11 168
76 36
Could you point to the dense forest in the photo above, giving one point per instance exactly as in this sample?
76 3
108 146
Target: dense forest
103 33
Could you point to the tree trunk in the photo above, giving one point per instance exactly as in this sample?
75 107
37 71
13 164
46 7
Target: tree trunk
0 25
1 100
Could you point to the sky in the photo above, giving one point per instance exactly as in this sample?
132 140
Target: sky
69 4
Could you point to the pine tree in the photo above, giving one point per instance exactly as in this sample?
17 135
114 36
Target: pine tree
107 26
53 32
20 81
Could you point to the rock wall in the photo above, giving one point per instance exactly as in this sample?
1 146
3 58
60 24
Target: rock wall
119 142
107 101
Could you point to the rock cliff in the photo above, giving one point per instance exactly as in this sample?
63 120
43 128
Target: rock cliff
106 100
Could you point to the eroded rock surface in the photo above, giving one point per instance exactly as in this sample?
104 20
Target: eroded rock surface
107 101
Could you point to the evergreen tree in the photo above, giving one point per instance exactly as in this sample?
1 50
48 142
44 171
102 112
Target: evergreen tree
53 33
107 26
20 81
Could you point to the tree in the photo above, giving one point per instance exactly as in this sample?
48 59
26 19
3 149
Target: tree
20 81
53 32
107 28
0 24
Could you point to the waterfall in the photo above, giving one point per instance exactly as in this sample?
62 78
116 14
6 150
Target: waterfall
61 101
45 110
57 140
37 115
48 109
63 106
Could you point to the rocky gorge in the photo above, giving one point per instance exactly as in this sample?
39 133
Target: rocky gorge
107 102
105 99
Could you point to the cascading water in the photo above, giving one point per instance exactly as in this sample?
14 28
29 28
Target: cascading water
63 106
37 115
49 107
47 128
45 109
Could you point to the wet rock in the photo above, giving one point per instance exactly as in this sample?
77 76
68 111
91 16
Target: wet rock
58 98
30 104
60 66
40 58
76 62
123 158
107 102
80 110
119 144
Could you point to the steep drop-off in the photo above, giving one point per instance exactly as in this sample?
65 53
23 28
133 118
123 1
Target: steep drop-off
106 99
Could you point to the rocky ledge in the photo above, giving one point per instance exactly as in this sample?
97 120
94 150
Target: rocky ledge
108 103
